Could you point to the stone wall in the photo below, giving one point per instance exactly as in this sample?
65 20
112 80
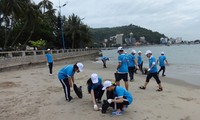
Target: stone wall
16 59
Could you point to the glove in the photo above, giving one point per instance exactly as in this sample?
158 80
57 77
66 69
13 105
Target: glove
109 101
96 107
71 89
149 69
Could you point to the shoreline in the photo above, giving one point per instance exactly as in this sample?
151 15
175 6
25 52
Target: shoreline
32 94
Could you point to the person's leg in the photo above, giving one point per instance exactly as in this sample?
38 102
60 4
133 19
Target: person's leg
149 76
67 88
163 73
125 78
130 71
158 81
141 68
160 69
118 77
50 67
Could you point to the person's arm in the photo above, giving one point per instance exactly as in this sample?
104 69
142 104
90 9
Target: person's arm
93 98
70 81
136 64
166 62
119 65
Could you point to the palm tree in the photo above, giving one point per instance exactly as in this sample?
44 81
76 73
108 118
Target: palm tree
11 10
78 32
45 4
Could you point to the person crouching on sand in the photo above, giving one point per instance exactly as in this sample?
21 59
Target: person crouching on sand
66 77
95 89
122 99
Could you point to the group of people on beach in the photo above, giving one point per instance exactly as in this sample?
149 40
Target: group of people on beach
117 97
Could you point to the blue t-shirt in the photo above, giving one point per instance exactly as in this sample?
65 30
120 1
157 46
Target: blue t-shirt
124 63
104 58
152 60
122 92
162 59
49 58
131 59
94 86
65 72
139 60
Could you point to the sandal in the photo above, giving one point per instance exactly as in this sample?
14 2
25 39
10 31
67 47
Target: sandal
159 89
142 87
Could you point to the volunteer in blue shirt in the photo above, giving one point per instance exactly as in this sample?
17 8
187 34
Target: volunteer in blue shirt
122 99
95 89
66 77
104 59
162 59
140 61
122 68
152 71
132 65
49 60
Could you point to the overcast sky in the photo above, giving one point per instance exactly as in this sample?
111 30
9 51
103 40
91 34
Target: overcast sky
174 18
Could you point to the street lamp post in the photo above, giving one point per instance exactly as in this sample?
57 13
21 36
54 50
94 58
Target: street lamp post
61 26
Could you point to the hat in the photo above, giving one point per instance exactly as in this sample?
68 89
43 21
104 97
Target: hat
133 51
48 49
106 84
120 48
162 53
139 52
147 52
80 66
94 78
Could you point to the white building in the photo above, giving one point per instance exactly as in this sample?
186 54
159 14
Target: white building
119 39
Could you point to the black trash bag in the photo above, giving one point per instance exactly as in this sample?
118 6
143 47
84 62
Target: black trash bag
105 106
78 91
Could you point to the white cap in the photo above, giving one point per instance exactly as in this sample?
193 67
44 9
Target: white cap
162 53
120 48
133 51
106 84
80 66
139 51
147 52
48 49
94 78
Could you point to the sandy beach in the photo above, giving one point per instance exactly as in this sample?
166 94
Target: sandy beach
31 94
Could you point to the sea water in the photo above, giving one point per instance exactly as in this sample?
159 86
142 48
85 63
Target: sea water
184 60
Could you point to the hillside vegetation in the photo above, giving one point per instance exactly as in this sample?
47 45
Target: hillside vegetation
99 34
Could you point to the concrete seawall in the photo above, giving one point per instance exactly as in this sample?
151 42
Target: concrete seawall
23 59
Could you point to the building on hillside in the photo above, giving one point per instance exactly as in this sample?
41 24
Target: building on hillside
119 39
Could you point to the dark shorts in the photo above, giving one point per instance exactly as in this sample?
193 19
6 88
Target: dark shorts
119 76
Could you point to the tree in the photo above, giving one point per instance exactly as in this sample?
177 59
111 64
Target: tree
45 4
76 31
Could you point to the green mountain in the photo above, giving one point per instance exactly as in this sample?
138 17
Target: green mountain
99 34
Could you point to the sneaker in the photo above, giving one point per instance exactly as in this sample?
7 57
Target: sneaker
132 80
50 74
70 98
116 113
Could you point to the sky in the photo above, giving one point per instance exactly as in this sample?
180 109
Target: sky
173 18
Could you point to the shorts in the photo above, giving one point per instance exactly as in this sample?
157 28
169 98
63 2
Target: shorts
119 76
